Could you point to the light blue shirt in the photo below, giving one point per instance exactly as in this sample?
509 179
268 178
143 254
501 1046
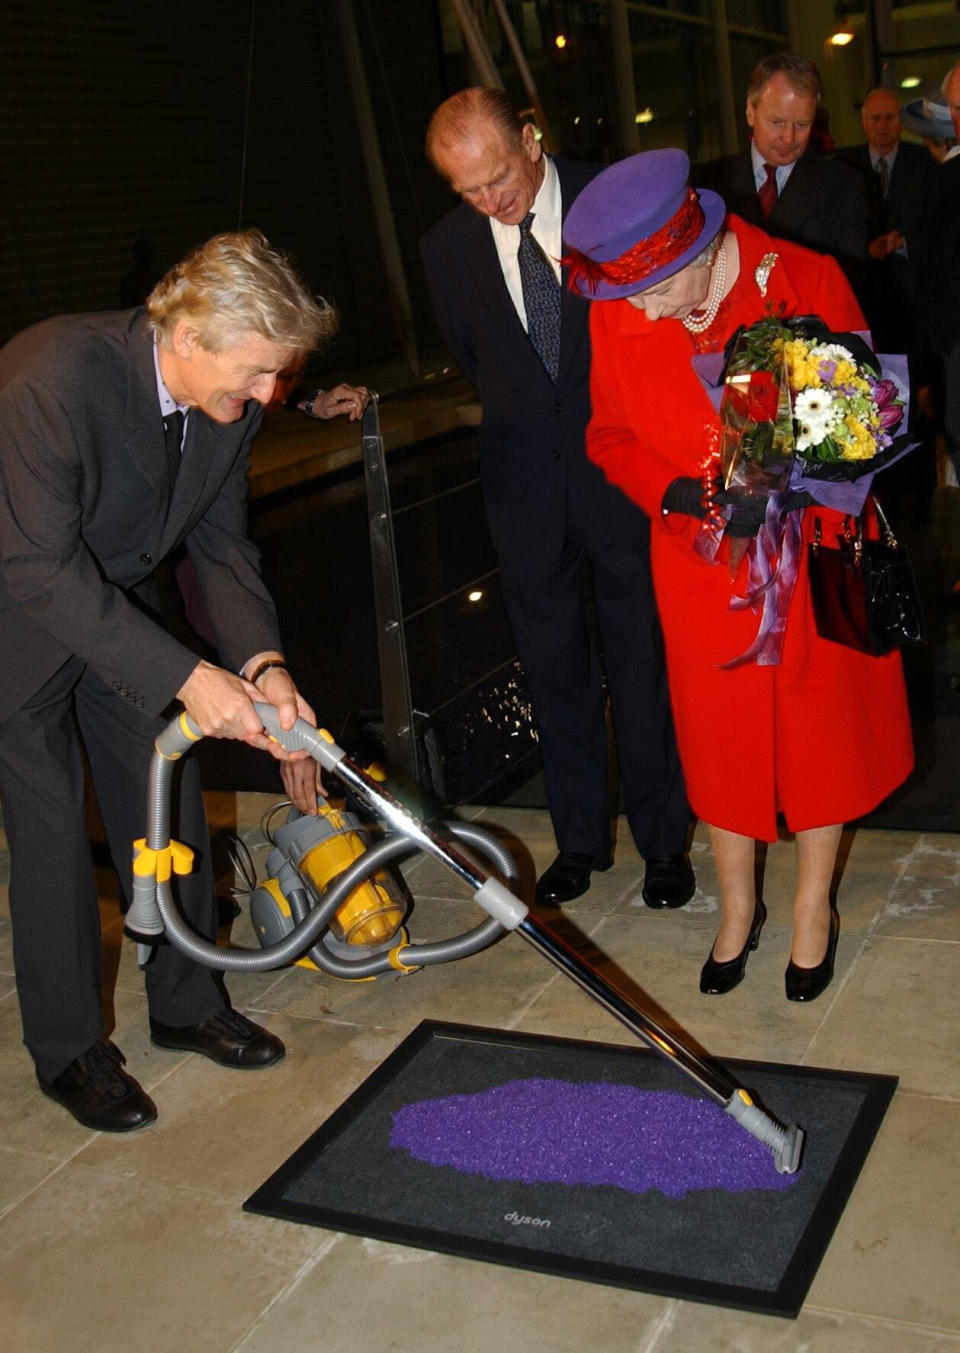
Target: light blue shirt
760 174
168 404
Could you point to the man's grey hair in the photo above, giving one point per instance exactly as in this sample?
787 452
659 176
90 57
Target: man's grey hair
233 285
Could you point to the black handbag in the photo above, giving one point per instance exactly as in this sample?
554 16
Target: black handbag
863 591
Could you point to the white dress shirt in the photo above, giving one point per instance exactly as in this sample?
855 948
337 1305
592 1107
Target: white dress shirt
547 230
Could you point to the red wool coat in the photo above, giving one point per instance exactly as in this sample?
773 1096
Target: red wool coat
823 736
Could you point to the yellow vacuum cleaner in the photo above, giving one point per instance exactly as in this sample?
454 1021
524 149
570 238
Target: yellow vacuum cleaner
314 902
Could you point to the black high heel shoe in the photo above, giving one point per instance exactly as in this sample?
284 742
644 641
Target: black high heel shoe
718 978
806 984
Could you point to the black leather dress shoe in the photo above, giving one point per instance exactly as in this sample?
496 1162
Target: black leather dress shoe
806 984
569 875
716 979
99 1093
230 1039
668 881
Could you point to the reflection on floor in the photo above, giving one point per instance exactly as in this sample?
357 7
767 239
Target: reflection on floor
110 1242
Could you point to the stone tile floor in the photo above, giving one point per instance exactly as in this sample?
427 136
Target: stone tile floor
111 1242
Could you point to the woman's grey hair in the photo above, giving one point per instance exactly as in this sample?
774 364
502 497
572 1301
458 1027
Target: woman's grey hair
706 257
236 284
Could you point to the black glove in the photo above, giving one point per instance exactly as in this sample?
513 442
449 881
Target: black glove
748 515
685 495
798 498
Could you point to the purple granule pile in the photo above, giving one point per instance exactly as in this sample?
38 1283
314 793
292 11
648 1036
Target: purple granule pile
558 1132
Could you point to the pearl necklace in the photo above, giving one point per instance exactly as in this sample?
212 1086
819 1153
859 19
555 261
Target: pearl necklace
703 322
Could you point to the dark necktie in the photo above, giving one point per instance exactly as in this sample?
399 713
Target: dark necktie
541 298
883 173
767 192
173 437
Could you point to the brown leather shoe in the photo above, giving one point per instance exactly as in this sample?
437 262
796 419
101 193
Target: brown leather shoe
99 1093
229 1039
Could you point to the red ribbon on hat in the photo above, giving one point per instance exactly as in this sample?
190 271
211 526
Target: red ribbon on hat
643 259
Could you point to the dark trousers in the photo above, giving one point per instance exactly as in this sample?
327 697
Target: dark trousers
951 405
53 896
548 610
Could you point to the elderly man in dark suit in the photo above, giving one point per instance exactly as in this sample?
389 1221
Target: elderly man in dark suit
517 332
125 436
896 180
776 184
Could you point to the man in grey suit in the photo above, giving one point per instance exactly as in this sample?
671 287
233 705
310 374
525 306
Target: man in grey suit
776 184
125 436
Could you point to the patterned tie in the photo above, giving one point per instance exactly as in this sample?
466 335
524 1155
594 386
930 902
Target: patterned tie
883 170
767 193
173 437
541 298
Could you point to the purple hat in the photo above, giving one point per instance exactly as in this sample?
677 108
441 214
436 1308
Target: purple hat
636 223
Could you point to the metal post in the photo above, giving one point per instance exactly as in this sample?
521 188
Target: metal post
399 729
724 75
525 74
382 206
623 84
476 43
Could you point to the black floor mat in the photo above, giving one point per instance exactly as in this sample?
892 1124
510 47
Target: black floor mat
586 1160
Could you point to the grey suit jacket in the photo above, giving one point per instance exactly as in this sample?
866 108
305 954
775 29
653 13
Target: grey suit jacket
87 514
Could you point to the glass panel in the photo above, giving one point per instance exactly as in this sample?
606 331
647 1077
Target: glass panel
769 15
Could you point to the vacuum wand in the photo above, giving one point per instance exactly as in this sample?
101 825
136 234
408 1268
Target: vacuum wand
785 1143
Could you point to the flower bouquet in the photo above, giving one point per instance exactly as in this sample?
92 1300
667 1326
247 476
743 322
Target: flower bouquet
806 409
805 414
756 417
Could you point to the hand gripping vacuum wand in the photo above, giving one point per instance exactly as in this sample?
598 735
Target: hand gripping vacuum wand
154 915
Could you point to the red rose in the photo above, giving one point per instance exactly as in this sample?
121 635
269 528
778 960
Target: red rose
762 396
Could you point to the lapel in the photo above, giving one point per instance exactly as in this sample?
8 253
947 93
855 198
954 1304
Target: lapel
801 192
482 262
142 436
575 308
209 448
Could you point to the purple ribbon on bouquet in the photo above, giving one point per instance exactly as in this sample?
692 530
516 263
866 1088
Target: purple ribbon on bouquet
773 558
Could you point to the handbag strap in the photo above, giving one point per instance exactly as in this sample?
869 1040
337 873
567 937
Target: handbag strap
889 538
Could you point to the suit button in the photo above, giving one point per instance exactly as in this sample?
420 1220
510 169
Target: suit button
146 559
558 408
555 454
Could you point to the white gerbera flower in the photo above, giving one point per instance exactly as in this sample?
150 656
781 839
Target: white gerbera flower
813 404
807 439
830 352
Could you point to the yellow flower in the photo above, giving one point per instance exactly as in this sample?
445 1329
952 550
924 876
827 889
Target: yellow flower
860 445
801 372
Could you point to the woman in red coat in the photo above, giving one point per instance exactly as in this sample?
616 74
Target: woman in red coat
822 736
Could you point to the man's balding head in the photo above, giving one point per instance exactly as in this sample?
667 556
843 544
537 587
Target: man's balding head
491 159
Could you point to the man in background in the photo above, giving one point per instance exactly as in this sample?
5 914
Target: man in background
774 183
896 179
523 339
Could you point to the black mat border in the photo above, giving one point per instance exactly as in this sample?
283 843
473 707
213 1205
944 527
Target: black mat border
786 1300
